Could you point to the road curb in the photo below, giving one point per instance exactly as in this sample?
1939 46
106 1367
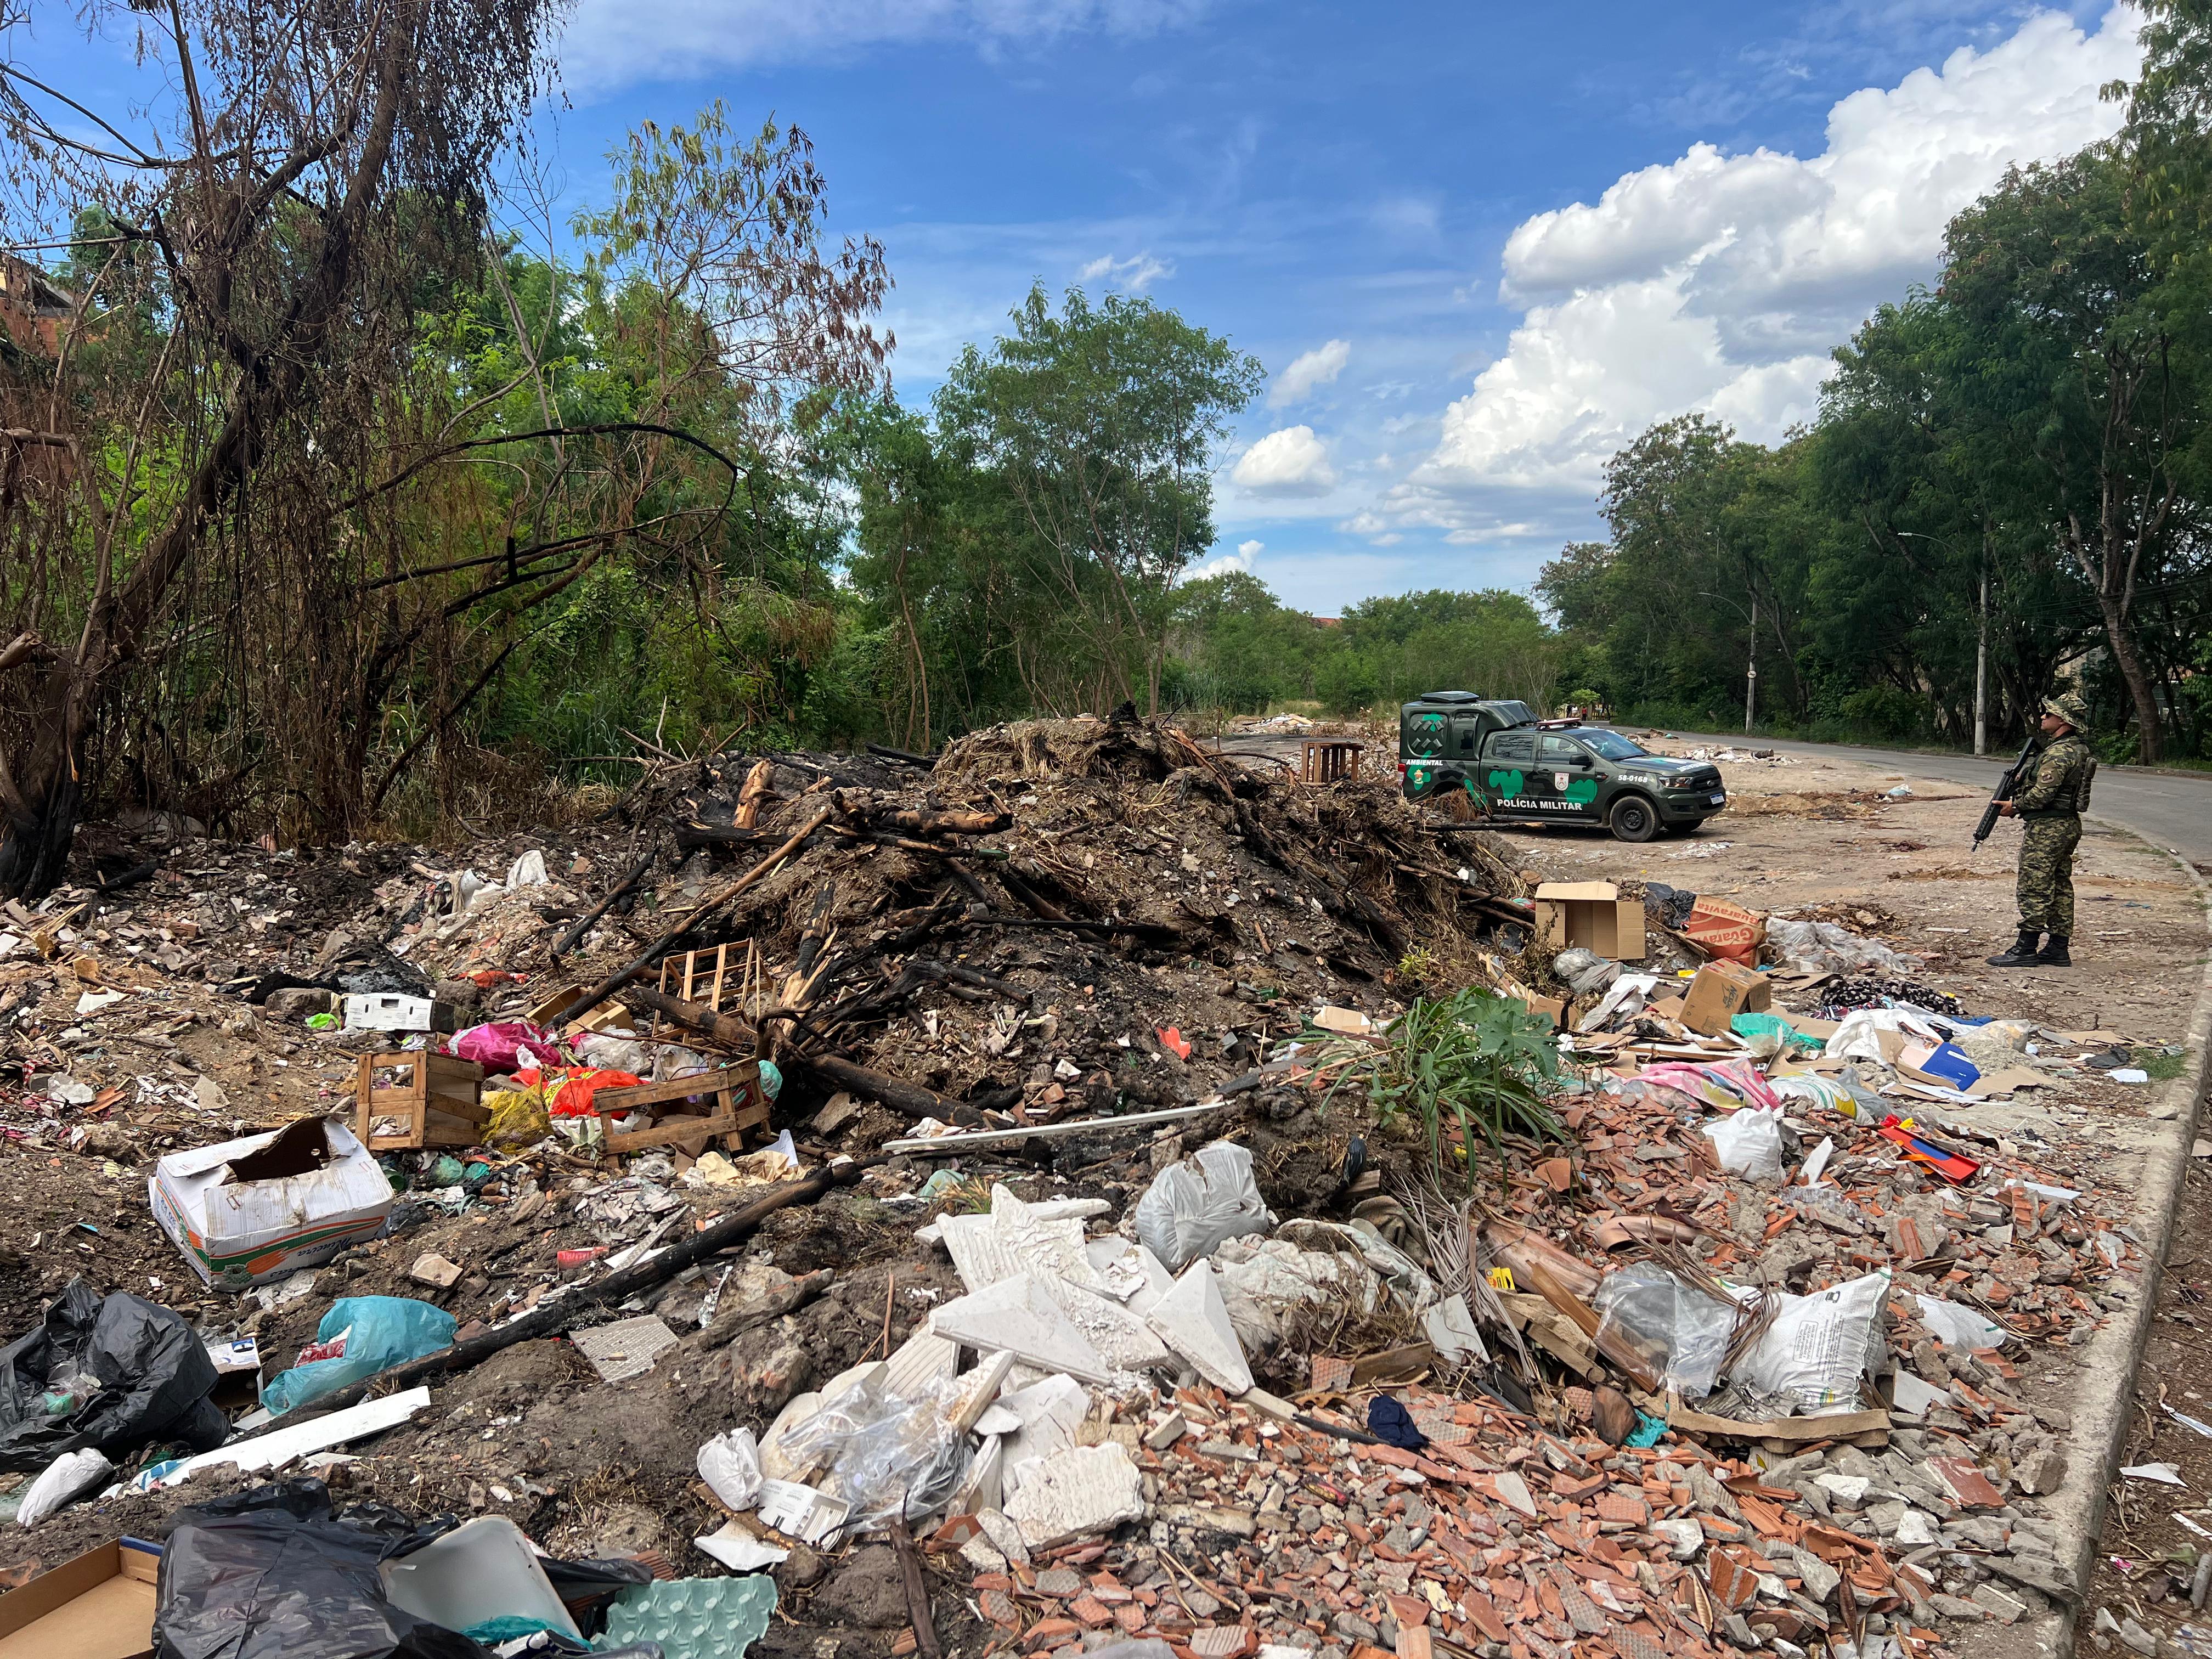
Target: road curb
2108 1368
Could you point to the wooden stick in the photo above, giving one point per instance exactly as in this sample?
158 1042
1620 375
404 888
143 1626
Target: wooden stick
911 1098
917 1593
611 1291
622 976
755 790
583 926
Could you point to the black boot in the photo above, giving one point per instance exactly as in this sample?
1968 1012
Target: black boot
2023 953
2053 953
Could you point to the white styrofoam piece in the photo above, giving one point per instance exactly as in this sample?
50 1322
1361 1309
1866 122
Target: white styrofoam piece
1915 1395
796 1410
1049 1413
921 1360
1015 1238
1019 1317
274 1450
1451 1329
852 1377
1077 1493
1193 1320
982 1487
1121 1335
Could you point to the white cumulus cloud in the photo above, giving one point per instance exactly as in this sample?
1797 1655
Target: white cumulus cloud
1221 565
612 43
1291 461
1722 281
1309 371
1131 275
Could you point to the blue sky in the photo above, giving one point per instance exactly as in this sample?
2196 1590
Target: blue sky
1495 242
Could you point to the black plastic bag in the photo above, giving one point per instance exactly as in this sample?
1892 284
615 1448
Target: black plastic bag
587 1587
153 1370
274 1573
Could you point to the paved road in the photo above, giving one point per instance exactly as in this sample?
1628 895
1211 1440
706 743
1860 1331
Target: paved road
2173 811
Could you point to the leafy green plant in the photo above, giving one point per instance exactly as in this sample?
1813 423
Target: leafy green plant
1475 1063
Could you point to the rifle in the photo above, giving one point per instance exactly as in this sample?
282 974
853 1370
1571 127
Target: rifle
2007 781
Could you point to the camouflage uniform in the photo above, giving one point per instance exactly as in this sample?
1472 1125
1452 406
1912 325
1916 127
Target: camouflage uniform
2049 808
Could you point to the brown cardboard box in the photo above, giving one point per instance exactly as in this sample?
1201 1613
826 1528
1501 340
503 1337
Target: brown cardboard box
100 1606
1720 991
1590 914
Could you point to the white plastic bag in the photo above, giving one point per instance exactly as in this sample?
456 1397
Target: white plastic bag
729 1465
1819 1346
61 1483
1957 1326
1192 1207
1748 1143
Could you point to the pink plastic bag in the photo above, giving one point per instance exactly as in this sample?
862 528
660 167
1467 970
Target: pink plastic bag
508 1044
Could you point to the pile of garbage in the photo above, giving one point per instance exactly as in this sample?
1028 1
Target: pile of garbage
833 1171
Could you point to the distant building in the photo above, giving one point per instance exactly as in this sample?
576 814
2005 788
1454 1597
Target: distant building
1328 622
33 309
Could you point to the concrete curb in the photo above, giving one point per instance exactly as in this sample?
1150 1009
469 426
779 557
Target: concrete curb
2101 1401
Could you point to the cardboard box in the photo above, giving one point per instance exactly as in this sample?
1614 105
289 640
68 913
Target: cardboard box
248 1210
1720 991
1725 930
1591 915
386 1011
100 1606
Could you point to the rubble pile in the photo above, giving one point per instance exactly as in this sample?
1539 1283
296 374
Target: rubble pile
1086 1189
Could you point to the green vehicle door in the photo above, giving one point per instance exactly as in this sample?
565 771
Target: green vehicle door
1570 774
1506 776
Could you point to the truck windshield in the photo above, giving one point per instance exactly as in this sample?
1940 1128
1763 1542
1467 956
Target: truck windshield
1611 745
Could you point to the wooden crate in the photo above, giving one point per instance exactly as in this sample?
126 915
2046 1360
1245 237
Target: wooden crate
740 1104
439 1102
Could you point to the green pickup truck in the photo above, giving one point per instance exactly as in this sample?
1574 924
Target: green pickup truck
1516 769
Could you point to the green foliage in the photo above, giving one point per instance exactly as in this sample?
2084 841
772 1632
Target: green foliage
1471 1067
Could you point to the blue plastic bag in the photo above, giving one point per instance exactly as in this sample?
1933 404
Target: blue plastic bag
381 1332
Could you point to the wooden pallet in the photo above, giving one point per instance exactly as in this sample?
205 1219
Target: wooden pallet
440 1104
740 1104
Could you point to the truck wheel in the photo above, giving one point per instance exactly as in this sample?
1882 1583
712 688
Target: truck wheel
1634 818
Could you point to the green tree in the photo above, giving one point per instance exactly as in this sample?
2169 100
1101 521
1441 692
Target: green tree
1100 421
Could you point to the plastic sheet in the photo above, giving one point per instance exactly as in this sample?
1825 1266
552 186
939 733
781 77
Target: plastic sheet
1748 1143
273 1573
1819 1346
1957 1326
111 1374
1836 950
1657 1314
1585 972
1193 1205
1737 1083
379 1332
884 1455
505 1045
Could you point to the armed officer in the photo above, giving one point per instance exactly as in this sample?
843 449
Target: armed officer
2049 800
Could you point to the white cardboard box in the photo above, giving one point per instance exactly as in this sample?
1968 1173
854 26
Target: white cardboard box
248 1210
389 1011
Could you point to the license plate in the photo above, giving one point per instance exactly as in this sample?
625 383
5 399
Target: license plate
1720 800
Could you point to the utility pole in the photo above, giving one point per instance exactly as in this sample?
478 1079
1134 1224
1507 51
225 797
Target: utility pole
1750 672
1982 668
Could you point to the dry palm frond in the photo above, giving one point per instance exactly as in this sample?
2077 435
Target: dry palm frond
1446 1230
1754 1312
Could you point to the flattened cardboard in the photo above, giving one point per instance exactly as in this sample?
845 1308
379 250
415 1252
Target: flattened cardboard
245 1211
99 1606
1590 915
